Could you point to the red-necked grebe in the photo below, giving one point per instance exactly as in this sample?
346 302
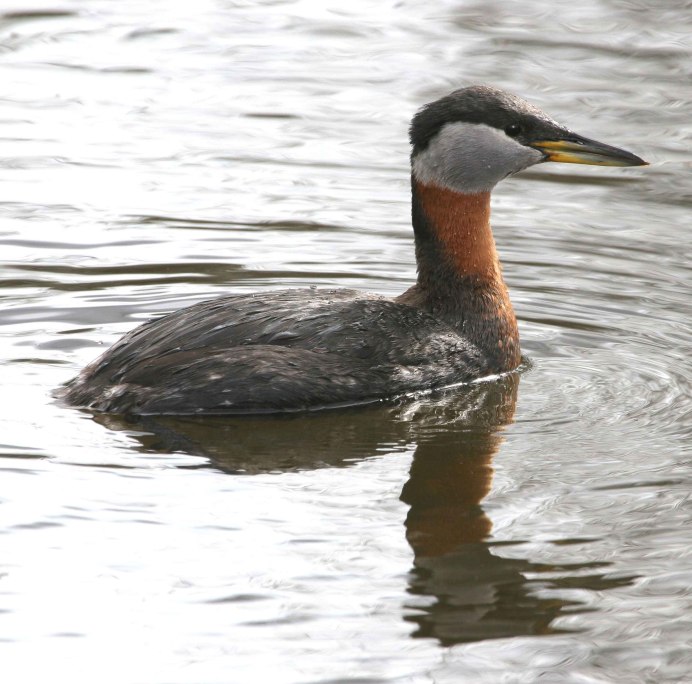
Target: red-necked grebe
307 349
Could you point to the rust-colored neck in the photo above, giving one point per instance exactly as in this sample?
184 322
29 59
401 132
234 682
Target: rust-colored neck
461 223
459 273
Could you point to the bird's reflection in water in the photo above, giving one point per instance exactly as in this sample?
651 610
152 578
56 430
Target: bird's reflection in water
477 593
463 589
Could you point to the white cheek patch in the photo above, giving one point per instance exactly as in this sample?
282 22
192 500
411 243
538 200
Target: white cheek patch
471 158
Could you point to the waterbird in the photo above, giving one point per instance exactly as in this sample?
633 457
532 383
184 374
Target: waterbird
309 349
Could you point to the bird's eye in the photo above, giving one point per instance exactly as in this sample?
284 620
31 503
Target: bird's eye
513 130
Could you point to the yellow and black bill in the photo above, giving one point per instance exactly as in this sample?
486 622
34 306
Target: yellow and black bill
574 149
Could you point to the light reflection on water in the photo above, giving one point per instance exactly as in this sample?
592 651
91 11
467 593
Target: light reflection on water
155 154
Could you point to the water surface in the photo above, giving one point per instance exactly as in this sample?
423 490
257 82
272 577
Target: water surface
532 529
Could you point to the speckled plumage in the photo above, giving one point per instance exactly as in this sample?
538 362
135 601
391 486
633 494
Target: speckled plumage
276 351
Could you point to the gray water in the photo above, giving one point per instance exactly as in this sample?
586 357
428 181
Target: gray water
158 153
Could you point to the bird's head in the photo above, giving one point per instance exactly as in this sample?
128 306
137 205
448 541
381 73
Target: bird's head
472 138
